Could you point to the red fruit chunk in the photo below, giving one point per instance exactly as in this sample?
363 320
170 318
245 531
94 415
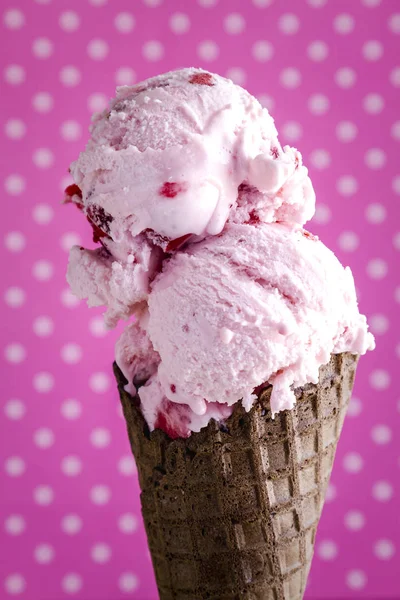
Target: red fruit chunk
275 152
202 79
172 189
173 388
177 243
100 221
72 190
253 218
309 235
173 419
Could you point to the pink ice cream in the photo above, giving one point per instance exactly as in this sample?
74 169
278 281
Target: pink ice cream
199 212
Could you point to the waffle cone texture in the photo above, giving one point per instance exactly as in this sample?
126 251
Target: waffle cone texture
231 512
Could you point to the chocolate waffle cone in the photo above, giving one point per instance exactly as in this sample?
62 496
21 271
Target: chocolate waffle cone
231 512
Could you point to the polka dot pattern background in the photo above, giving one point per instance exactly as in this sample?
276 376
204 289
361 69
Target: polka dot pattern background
329 70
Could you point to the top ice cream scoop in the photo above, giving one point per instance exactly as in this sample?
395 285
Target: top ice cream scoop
171 161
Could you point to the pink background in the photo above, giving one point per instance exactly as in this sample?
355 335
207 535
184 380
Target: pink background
330 72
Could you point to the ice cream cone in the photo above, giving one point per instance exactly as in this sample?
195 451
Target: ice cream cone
231 512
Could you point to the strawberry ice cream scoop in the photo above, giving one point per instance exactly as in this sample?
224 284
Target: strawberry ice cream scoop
171 161
256 304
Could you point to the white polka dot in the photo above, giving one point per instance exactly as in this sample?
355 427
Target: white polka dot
127 465
42 214
70 76
69 239
43 438
237 75
267 101
71 353
348 241
372 50
69 21
375 158
14 297
15 241
208 50
124 22
43 1
394 23
356 579
98 2
396 240
318 104
99 382
43 326
14 466
262 3
317 50
14 19
15 524
331 493
395 130
71 583
317 3
14 584
97 102
322 214
381 434
15 353
71 409
375 213
347 185
42 48
43 158
290 78
125 76
292 131
377 268
262 51
354 520
179 23
14 409
234 23
68 299
371 3
128 523
327 550
43 270
373 104
396 184
288 24
128 582
153 50
100 494
100 437
97 327
384 549
43 382
97 49
343 24
100 553
320 159
44 554
70 131
397 294
14 74
353 462
345 77
154 3
43 495
379 379
14 184
71 466
71 524
42 102
15 129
